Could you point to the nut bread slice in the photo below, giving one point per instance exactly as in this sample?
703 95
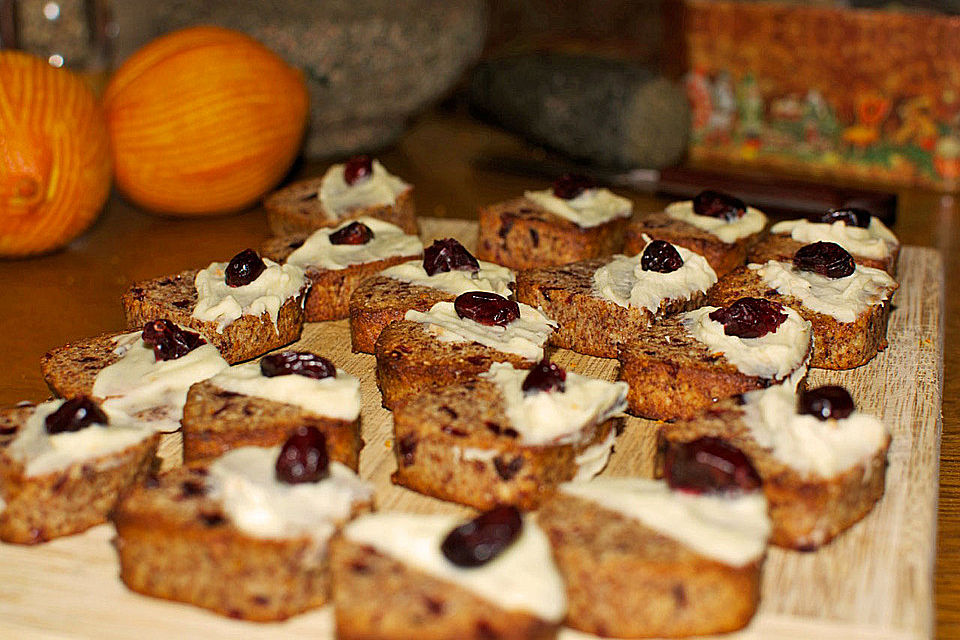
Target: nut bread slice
71 370
380 300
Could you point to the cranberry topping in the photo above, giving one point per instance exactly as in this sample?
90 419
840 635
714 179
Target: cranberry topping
826 258
826 402
750 317
544 376
448 255
169 341
75 414
302 363
356 169
243 268
717 204
660 256
487 308
483 538
570 185
353 233
708 465
852 216
303 457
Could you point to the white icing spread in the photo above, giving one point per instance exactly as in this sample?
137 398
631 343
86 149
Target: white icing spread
388 241
773 355
876 241
339 198
820 447
591 208
732 529
244 481
524 337
139 382
521 578
490 277
43 453
337 397
555 417
753 221
840 298
594 458
217 302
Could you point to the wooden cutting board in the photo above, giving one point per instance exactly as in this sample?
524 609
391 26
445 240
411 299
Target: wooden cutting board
875 581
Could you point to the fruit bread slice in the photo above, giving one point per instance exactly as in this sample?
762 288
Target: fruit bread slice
821 462
247 535
507 437
261 403
847 304
573 221
455 341
431 579
602 303
359 188
447 270
716 225
685 363
337 259
246 307
63 466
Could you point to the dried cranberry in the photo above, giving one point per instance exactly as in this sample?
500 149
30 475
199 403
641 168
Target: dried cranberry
852 216
243 268
544 376
717 204
708 465
302 363
826 258
661 257
483 538
448 255
826 402
353 233
750 317
356 169
486 308
303 457
570 185
75 414
169 341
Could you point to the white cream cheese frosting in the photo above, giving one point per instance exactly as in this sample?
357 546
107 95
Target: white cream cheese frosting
591 208
840 298
591 461
753 221
732 529
773 355
220 303
524 337
337 397
490 277
521 578
388 241
339 198
874 241
138 382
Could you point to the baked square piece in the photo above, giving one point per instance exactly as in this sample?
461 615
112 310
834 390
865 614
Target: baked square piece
574 220
359 188
600 304
64 465
337 259
718 226
245 307
686 362
507 437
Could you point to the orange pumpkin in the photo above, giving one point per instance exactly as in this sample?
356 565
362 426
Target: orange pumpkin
54 156
204 120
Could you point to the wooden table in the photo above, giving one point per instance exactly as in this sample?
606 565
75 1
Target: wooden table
73 294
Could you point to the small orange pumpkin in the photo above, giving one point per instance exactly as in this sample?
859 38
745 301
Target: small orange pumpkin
54 156
204 120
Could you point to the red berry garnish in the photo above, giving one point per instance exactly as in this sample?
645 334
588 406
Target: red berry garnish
487 308
826 402
353 233
75 414
356 169
570 185
483 538
544 376
243 268
448 255
750 317
708 465
301 363
169 341
303 457
661 257
852 216
717 204
826 258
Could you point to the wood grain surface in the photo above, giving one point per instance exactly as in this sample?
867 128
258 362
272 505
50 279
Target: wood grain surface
874 581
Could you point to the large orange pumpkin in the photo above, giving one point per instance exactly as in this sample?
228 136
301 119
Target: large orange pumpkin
54 156
203 120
